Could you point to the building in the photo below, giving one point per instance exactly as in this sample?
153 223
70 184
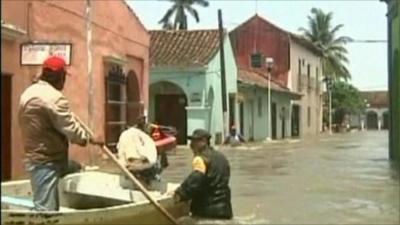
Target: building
305 77
393 16
32 30
185 77
299 84
253 107
376 115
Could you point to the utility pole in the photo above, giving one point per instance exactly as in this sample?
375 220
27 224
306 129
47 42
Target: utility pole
89 72
223 76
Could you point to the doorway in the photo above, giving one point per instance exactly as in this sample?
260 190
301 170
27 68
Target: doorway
5 127
372 120
172 104
273 120
241 115
283 120
295 121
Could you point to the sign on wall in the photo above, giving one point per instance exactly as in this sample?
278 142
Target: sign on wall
33 54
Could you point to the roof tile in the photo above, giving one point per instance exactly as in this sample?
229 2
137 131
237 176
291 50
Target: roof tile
183 48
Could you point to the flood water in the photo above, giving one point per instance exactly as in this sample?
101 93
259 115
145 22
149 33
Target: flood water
338 179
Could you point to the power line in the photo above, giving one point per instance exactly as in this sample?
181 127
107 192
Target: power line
367 41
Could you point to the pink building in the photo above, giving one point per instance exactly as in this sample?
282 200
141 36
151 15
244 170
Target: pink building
120 67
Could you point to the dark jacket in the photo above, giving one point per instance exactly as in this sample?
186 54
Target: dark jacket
209 191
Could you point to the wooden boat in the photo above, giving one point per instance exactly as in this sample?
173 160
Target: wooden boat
89 197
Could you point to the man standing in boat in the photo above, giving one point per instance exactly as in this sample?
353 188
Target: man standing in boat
48 125
208 183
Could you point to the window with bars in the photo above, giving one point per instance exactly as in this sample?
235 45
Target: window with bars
123 104
299 88
116 102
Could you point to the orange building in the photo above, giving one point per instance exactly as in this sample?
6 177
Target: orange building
119 67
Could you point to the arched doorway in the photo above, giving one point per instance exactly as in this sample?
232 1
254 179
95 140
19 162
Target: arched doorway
385 124
372 120
168 107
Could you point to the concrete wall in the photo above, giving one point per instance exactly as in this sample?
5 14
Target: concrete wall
312 96
116 32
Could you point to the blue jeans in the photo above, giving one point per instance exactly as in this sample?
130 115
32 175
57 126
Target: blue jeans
44 182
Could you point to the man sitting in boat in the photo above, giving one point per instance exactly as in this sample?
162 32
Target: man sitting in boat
138 153
208 183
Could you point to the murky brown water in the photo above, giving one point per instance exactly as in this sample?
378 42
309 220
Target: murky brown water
339 179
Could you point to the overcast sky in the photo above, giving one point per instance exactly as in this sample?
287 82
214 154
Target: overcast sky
362 20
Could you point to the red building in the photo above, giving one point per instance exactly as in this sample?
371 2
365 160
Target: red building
120 67
257 35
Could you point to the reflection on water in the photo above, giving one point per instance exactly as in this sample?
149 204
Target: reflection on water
344 179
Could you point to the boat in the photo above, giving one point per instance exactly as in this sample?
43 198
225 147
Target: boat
90 197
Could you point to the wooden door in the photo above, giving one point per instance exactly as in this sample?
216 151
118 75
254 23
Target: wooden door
273 120
170 110
295 121
5 127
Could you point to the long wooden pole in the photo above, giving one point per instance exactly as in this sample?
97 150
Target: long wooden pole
89 70
133 179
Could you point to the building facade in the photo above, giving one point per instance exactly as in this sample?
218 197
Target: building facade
253 107
393 16
305 77
185 90
376 115
119 47
298 85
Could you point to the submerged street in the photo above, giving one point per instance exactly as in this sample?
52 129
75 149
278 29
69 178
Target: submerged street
345 179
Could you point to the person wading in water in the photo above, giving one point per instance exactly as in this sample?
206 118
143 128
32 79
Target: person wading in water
207 186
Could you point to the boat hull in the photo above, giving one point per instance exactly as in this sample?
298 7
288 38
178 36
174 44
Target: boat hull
90 198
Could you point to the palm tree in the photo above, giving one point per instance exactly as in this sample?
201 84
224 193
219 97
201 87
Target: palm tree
321 33
180 8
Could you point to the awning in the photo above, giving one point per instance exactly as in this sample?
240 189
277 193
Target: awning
254 79
10 31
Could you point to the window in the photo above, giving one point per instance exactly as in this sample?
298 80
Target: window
309 76
259 106
116 103
299 77
309 116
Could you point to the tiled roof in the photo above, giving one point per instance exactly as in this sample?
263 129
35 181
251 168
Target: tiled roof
183 48
254 78
376 99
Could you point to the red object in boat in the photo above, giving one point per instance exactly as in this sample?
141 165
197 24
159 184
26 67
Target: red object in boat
164 142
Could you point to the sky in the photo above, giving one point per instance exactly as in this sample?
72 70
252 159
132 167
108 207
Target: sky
361 19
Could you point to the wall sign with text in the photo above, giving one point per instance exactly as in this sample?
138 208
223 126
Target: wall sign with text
33 54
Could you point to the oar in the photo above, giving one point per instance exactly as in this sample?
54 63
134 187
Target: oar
134 180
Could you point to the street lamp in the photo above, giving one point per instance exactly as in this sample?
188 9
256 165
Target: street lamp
270 64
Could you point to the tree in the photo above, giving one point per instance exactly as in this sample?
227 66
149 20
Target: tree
346 99
180 8
324 37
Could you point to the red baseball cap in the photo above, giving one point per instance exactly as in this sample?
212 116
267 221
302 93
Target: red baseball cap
55 63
